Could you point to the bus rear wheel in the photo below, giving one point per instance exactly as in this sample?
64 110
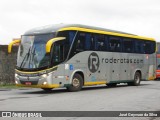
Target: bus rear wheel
111 84
137 79
77 83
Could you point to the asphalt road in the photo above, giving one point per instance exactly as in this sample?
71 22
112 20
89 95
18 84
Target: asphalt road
145 97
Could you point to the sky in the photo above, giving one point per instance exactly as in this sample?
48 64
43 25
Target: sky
140 17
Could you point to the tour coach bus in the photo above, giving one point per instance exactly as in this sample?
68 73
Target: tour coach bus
73 56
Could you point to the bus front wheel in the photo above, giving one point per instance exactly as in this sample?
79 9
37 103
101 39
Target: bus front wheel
137 79
77 83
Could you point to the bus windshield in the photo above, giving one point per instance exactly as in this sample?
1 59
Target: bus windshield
32 52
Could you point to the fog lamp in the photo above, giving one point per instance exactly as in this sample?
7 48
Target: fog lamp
16 82
44 83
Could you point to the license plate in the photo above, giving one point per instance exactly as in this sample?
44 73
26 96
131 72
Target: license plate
28 83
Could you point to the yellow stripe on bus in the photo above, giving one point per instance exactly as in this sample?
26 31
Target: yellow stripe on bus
40 86
51 42
94 83
152 78
105 32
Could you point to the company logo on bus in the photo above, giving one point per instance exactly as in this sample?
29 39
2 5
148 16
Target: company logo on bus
93 62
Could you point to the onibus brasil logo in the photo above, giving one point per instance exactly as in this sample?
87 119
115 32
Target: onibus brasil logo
93 62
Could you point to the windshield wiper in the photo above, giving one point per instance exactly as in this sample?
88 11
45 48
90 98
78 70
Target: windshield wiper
26 56
32 55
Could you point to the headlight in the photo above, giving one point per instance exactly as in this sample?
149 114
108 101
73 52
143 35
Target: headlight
44 75
16 75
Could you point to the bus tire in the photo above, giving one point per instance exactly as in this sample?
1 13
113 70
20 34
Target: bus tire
137 79
111 84
77 83
47 89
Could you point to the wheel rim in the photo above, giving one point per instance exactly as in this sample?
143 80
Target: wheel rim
137 79
76 82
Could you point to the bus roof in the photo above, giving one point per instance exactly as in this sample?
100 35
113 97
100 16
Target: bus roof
63 27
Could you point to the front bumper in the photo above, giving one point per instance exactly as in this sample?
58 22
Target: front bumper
40 86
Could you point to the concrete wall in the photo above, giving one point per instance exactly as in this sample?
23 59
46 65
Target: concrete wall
7 64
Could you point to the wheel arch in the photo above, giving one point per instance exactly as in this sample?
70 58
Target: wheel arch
139 71
80 72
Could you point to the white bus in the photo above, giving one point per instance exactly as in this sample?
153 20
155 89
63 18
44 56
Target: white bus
74 56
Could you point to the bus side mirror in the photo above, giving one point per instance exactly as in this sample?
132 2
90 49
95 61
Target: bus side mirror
11 44
51 42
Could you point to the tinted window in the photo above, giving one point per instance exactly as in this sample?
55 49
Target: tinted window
80 42
68 34
115 44
153 47
100 43
139 46
58 52
127 45
147 47
71 36
144 46
88 45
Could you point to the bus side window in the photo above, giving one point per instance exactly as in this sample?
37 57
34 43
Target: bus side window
88 41
92 42
71 36
153 46
59 51
127 45
106 43
98 42
139 46
80 42
101 43
147 47
115 44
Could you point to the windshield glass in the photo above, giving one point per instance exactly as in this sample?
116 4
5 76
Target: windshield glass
32 51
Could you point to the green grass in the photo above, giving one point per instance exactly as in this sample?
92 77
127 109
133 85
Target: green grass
9 86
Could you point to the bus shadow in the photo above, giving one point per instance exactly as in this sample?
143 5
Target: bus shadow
102 87
54 91
157 80
87 88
